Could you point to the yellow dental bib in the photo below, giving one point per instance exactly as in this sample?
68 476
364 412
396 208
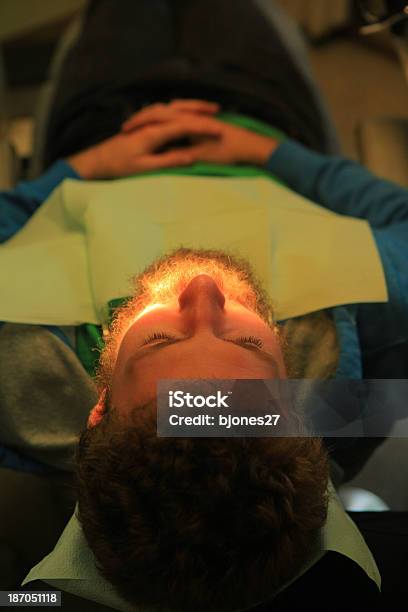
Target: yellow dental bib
82 246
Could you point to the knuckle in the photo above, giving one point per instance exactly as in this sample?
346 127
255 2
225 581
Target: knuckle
158 106
150 132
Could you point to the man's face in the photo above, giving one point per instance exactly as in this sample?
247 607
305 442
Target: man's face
195 314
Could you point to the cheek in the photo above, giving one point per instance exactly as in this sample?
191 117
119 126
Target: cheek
124 349
127 340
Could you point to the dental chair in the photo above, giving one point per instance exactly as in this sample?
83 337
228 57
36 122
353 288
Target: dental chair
383 147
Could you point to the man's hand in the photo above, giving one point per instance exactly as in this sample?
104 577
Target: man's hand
168 111
234 145
136 151
137 147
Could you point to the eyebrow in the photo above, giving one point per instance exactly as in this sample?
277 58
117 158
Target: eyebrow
267 357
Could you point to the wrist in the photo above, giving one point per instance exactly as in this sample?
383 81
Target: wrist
84 164
262 149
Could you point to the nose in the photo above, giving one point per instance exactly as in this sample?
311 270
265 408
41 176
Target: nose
202 300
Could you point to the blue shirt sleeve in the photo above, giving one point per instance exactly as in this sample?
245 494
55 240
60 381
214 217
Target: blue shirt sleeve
17 206
341 185
346 188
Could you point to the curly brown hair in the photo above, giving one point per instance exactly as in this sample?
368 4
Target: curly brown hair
197 523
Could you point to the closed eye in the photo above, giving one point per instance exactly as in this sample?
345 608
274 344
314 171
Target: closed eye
157 336
249 343
242 340
249 340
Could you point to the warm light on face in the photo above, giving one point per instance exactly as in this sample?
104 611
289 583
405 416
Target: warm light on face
145 311
167 283
159 288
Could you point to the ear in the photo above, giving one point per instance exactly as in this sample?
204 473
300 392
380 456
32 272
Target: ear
97 412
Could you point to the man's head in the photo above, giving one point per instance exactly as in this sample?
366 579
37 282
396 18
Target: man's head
201 523
194 314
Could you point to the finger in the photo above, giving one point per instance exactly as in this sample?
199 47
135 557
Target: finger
162 112
170 159
145 115
195 106
161 135
196 152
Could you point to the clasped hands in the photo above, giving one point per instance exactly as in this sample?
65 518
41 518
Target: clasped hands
139 146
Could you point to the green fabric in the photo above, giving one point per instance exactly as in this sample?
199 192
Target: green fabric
88 345
89 338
